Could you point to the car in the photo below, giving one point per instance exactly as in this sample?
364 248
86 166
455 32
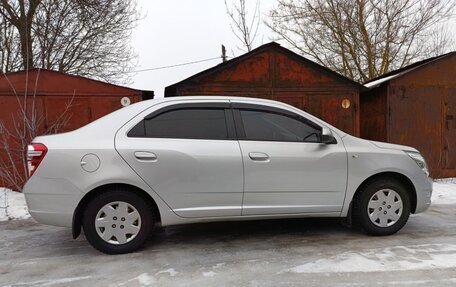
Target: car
196 159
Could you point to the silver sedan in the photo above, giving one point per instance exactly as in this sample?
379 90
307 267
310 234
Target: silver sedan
198 159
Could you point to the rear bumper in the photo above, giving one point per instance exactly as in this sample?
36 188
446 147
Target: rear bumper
52 201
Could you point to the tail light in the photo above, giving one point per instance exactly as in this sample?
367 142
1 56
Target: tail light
35 154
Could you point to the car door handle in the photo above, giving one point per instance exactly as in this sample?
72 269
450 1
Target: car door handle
258 156
145 156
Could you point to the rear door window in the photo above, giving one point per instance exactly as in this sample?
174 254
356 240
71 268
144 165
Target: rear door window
190 123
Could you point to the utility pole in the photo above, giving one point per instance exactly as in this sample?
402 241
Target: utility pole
223 53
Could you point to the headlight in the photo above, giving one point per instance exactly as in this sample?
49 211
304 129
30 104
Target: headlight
419 159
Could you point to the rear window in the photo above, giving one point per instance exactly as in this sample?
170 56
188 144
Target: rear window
184 123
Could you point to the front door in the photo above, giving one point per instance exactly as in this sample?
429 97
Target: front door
286 167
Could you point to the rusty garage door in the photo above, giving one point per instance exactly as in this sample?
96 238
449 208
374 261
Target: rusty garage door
414 119
449 130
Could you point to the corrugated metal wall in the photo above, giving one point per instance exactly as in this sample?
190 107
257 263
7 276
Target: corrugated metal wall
419 110
273 72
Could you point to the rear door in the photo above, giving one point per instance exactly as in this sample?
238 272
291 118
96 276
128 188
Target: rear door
287 169
188 154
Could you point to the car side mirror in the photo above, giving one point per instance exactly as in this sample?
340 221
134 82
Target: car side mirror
327 136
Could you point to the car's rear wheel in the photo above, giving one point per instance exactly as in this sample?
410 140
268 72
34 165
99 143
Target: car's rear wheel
382 207
117 222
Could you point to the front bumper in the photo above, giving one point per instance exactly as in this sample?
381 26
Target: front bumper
423 187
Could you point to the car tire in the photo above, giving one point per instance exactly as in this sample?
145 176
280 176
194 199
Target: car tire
382 207
117 222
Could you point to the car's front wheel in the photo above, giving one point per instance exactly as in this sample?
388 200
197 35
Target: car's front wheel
117 222
382 207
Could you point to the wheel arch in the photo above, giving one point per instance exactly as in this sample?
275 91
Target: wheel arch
403 179
79 211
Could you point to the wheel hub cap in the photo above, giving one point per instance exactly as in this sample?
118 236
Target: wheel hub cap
385 208
118 222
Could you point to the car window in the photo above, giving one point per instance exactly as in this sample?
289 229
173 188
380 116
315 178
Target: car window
270 126
186 123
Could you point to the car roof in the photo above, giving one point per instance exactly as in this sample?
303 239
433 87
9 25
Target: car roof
209 97
148 103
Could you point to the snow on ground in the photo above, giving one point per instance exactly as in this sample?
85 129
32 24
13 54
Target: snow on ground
397 258
444 191
171 272
144 279
12 205
209 274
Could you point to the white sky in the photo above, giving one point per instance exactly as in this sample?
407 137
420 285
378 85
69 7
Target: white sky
180 31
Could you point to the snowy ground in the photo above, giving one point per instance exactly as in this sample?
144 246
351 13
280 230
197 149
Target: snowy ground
276 253
316 252
12 205
444 191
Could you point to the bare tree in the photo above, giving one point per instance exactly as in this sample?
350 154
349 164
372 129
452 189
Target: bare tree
10 54
243 28
27 123
83 37
440 41
362 39
20 14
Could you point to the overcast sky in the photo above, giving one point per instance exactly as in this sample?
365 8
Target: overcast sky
179 31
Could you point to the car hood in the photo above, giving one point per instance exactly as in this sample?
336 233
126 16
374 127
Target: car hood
393 146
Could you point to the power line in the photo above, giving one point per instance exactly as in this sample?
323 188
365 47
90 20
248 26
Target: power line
172 66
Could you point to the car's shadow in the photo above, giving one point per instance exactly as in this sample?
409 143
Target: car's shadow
207 233
233 236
